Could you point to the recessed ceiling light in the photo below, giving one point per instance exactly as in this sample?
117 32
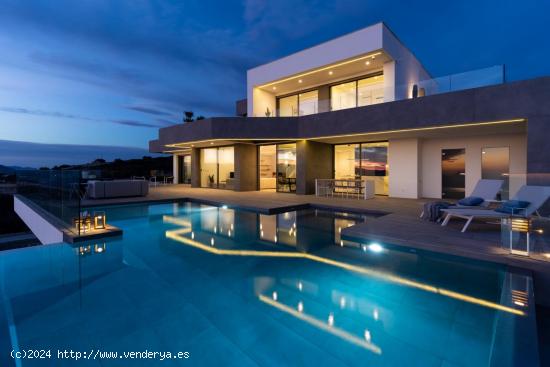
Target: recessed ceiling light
367 63
192 145
299 80
211 143
330 72
274 88
373 57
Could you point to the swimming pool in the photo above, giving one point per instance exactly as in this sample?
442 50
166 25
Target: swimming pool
233 287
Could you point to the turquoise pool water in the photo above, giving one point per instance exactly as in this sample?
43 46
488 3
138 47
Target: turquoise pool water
237 288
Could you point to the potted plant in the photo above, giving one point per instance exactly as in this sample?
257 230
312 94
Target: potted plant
211 180
267 112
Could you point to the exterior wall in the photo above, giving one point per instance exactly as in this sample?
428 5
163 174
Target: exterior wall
313 160
195 167
40 227
175 168
408 69
389 81
246 167
404 166
431 160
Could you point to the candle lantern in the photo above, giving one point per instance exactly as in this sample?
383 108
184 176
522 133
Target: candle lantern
99 220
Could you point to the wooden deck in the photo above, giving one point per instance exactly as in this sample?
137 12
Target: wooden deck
397 221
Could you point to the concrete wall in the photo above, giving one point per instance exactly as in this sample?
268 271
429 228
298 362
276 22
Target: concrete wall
246 167
195 167
404 167
313 160
175 168
41 228
431 160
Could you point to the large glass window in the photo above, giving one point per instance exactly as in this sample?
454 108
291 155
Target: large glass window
288 106
363 161
495 165
308 103
217 167
343 96
286 167
185 169
267 167
346 161
370 90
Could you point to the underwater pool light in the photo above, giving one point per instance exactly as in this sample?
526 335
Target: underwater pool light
375 247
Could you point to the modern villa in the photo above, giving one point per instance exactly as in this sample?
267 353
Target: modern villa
362 106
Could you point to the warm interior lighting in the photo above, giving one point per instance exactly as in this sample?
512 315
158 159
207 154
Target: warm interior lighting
300 81
330 72
367 62
100 220
177 235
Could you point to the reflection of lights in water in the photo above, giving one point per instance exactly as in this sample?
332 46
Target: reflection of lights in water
261 226
231 226
341 243
286 215
215 229
290 232
274 296
300 286
375 247
364 248
339 229
275 238
212 241
261 233
342 302
294 225
177 235
300 307
331 319
367 335
224 206
229 233
192 235
100 248
519 303
375 314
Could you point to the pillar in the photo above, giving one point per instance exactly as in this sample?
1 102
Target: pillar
313 160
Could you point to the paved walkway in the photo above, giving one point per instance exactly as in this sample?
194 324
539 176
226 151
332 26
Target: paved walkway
398 222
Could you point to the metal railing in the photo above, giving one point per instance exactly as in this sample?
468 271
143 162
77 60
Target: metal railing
348 188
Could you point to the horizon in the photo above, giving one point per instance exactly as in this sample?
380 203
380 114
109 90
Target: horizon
121 72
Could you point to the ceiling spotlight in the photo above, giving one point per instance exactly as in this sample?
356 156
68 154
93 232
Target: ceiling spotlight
330 72
367 63
274 88
300 80
373 57
211 143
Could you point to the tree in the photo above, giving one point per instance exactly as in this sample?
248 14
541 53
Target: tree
188 116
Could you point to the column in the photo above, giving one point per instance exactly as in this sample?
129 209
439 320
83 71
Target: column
313 160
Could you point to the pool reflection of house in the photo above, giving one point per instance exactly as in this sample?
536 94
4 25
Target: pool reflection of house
363 106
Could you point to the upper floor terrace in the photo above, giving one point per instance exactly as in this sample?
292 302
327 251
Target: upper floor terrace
366 67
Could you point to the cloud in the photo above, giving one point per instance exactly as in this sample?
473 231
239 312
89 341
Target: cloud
35 112
148 110
135 123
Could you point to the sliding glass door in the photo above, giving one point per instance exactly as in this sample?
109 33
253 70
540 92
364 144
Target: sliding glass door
367 161
217 167
286 167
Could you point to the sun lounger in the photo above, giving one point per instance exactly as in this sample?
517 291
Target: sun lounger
535 195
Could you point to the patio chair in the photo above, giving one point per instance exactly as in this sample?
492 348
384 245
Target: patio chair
535 195
485 189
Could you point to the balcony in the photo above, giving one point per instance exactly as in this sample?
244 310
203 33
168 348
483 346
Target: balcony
374 89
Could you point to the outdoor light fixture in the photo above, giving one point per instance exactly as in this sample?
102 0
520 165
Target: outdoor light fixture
99 220
83 223
375 247
515 235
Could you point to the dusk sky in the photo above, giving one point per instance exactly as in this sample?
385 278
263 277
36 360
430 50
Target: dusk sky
113 72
